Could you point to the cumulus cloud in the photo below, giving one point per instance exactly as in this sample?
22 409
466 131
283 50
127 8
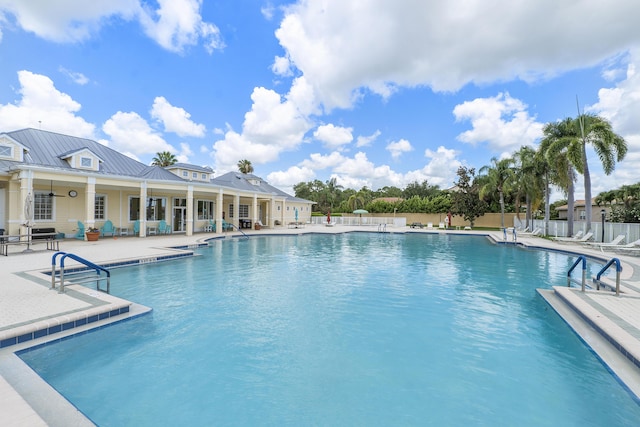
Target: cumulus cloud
175 119
76 77
396 148
131 133
501 121
285 180
174 25
274 124
333 137
447 45
43 106
177 24
365 141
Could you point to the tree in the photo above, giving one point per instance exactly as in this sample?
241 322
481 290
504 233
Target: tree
498 178
164 159
466 201
558 148
608 145
531 174
245 166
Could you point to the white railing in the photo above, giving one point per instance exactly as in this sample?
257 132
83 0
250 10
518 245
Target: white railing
364 221
611 229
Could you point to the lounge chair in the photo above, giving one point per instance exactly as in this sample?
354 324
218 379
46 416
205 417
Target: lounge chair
429 225
615 242
107 228
536 231
582 239
416 225
575 237
441 226
163 227
80 233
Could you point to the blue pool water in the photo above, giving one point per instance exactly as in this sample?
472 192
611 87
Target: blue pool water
355 329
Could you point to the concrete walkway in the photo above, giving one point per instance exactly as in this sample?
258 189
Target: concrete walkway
609 324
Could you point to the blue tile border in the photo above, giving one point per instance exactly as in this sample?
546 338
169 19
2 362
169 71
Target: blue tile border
64 327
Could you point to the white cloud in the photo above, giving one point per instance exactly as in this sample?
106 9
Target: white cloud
272 126
333 137
281 66
69 21
174 25
396 148
42 106
131 133
76 77
342 46
285 180
175 119
502 122
365 141
318 161
177 24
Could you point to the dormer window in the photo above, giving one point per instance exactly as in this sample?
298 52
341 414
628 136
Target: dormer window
86 162
204 176
6 151
194 175
185 174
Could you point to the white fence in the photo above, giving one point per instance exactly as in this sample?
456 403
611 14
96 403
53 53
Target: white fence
611 229
360 221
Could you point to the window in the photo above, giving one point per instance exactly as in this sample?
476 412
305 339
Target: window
243 211
582 215
42 207
6 151
194 175
204 176
86 162
206 209
99 210
185 174
230 211
156 208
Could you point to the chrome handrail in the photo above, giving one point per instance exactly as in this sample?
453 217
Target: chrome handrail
97 268
584 271
612 261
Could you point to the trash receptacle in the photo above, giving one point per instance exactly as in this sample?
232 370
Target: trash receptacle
256 226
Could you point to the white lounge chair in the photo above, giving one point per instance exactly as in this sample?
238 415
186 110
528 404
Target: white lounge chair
582 239
615 242
575 237
441 226
536 231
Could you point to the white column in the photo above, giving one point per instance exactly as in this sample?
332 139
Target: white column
219 207
26 188
236 210
272 220
189 210
255 209
90 203
143 209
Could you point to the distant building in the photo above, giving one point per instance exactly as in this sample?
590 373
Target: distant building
579 213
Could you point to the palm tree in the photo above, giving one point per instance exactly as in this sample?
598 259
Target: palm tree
164 159
498 178
529 173
245 166
608 145
558 149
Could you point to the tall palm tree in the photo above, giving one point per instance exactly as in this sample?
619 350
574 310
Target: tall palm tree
245 166
529 173
164 159
608 145
558 149
498 178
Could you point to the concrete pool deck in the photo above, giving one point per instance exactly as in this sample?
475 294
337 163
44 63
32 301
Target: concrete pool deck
610 325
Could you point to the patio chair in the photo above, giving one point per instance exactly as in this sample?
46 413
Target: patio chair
80 233
107 228
615 242
136 227
575 237
163 227
226 226
582 239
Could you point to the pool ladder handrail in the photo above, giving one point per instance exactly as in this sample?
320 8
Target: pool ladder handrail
382 228
97 278
612 261
583 259
240 230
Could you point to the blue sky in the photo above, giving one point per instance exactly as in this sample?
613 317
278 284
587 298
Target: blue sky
370 92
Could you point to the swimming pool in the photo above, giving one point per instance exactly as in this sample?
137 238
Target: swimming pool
353 329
